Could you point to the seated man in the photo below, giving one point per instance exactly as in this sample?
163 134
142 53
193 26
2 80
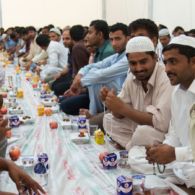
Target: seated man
110 72
141 113
179 59
57 59
35 53
20 178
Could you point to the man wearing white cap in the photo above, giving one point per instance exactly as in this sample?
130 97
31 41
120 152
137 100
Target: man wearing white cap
141 113
164 37
55 35
179 59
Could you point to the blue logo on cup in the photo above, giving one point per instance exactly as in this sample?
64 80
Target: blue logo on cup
42 165
14 121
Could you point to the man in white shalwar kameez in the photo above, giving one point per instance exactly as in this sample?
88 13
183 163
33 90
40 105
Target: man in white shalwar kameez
140 114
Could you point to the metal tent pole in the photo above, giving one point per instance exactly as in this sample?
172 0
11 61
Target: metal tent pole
1 21
104 9
150 9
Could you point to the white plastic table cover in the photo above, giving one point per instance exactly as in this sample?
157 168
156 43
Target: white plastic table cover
74 169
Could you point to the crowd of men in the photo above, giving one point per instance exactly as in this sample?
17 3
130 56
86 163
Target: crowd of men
136 82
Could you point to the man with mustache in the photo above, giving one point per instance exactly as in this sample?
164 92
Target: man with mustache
179 59
140 114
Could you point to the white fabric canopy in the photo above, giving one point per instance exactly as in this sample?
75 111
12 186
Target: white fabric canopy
64 12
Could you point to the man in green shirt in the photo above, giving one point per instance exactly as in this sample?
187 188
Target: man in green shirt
98 37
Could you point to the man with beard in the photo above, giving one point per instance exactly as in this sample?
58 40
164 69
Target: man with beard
140 114
179 59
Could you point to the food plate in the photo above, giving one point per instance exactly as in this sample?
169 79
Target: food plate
27 119
26 161
48 102
46 94
79 140
10 102
66 123
15 110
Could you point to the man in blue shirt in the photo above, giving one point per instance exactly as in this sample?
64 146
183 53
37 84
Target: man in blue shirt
110 72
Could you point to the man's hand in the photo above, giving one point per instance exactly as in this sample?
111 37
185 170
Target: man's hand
77 81
85 112
38 70
114 104
27 65
21 179
42 62
63 73
75 88
103 93
161 154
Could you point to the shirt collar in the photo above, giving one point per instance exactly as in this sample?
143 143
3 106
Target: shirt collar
101 49
192 87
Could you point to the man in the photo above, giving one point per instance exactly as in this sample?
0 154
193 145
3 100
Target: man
55 34
35 54
179 59
45 30
110 72
164 37
67 39
20 178
57 59
68 43
80 55
98 36
178 30
141 112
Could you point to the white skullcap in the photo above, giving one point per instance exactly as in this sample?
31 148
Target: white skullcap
56 30
163 32
183 40
139 44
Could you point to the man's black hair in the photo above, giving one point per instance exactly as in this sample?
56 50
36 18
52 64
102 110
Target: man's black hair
146 24
77 32
101 26
43 40
120 26
177 28
187 51
31 28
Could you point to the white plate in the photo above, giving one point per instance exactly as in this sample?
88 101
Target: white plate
27 159
48 102
27 121
79 140
16 110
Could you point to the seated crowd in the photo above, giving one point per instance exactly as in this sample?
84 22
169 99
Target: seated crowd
135 82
